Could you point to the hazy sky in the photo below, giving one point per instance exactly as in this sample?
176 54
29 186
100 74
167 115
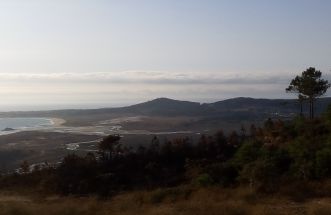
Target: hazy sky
85 53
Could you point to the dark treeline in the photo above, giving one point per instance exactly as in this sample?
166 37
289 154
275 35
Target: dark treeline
266 158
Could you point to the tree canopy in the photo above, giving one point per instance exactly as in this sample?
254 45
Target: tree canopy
309 86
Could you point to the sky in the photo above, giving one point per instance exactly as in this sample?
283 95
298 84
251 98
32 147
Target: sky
101 53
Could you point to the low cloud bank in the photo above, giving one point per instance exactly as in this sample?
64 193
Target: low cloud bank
149 77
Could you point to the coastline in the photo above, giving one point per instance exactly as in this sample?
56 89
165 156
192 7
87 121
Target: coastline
53 122
57 121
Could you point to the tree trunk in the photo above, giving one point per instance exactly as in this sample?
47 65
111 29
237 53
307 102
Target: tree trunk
312 108
301 109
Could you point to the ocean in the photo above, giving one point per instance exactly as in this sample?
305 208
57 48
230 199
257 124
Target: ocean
10 125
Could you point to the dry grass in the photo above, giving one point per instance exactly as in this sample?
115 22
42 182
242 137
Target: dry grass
319 207
182 201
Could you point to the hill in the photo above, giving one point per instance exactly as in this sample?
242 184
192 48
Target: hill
236 110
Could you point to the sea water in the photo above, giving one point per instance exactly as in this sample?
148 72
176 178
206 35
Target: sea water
17 124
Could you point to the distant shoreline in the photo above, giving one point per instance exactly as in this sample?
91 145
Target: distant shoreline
57 121
51 123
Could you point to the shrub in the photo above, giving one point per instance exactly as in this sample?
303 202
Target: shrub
204 180
248 152
223 174
323 161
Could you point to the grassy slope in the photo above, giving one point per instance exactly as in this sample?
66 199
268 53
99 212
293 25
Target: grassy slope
183 200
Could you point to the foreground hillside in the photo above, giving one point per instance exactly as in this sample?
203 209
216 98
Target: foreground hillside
180 200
